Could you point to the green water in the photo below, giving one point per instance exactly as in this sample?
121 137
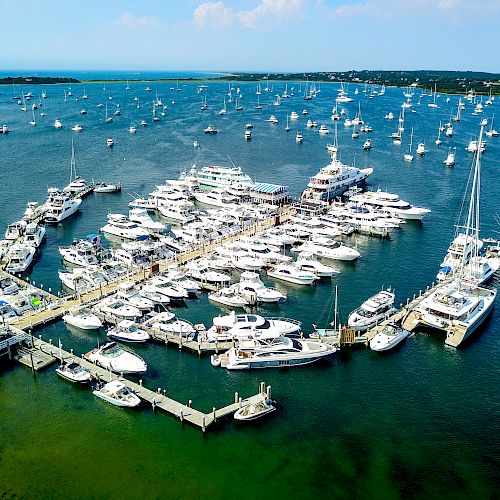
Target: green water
420 422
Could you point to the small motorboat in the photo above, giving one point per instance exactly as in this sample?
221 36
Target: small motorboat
210 130
103 187
254 411
388 338
118 394
109 142
215 359
128 331
83 319
111 356
74 372
228 297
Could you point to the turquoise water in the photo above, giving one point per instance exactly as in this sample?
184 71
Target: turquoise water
422 421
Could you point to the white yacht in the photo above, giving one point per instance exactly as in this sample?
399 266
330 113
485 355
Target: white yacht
176 213
228 297
200 271
83 319
275 353
450 159
77 127
81 253
141 217
254 411
392 204
217 176
292 274
83 279
167 322
74 372
333 180
119 225
59 206
119 309
294 116
128 331
217 197
372 311
210 130
118 394
113 357
234 326
330 249
15 230
58 124
388 338
299 138
34 234
165 286
253 289
105 187
306 262
20 258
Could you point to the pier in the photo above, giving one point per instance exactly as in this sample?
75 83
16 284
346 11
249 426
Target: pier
157 399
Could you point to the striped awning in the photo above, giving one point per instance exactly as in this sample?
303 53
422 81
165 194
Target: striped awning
269 188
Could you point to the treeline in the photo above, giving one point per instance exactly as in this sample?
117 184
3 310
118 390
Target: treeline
36 80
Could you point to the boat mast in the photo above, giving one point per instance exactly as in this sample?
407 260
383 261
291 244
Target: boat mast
72 169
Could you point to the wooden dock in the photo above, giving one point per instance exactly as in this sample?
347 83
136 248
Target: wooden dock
157 399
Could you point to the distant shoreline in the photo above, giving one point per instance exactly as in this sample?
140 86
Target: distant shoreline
451 82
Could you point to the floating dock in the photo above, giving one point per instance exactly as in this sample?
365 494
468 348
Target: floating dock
158 399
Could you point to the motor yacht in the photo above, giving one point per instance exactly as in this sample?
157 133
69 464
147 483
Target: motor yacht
129 294
157 297
217 197
234 326
74 372
210 130
104 187
15 230
112 357
118 394
228 297
306 262
219 176
82 253
83 279
119 309
254 290
177 213
388 338
299 138
333 180
83 319
330 249
275 353
292 274
77 127
167 322
200 272
164 286
141 217
77 185
372 311
450 159
392 204
34 234
110 142
20 258
128 331
59 206
119 225
58 124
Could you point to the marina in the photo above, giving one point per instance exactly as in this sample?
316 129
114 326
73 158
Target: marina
174 279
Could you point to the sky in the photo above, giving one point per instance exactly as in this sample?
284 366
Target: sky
251 35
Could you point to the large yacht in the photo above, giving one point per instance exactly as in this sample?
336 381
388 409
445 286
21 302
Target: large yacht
391 203
20 258
216 176
119 225
275 353
372 311
60 205
333 180
218 197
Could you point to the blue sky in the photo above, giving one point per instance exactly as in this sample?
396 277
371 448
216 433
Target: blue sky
254 35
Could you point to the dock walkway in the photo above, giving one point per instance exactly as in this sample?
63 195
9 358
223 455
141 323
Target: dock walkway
158 399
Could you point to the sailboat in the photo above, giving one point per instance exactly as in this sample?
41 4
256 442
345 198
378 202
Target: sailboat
438 140
33 121
127 87
433 103
409 156
287 128
108 119
204 104
258 104
84 96
456 118
238 106
492 132
460 306
223 111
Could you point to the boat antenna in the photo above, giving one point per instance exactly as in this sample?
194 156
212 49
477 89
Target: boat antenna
231 161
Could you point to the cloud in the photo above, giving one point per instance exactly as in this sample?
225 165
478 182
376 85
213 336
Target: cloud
448 4
215 14
130 21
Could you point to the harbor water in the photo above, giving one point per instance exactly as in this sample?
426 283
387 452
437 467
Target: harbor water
422 421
